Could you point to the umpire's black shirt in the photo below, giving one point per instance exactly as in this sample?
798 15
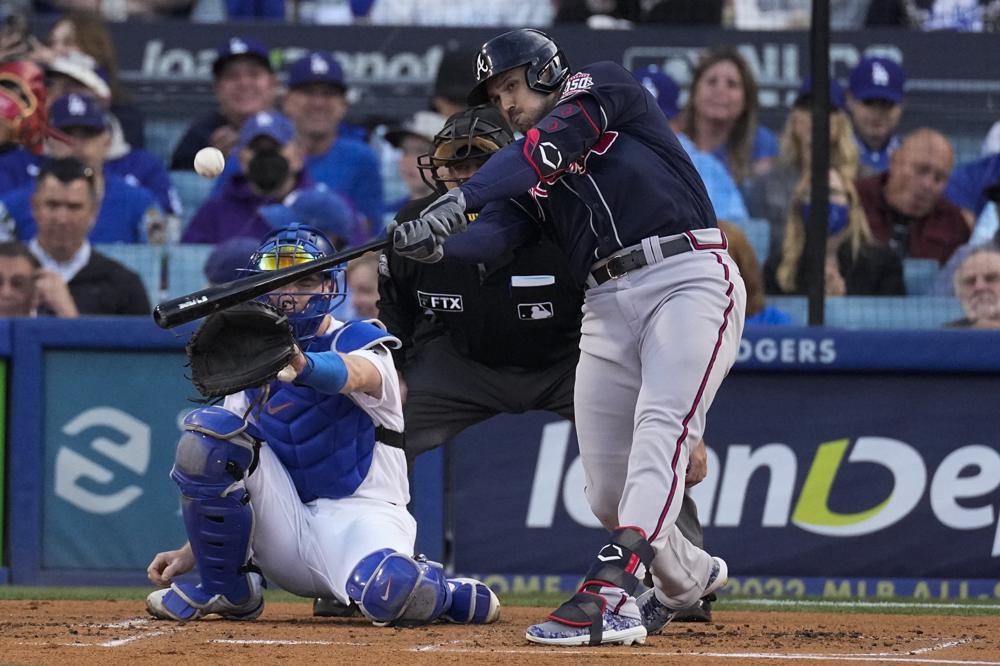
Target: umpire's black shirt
523 309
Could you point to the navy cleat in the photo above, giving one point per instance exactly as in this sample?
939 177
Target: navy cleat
183 602
656 615
332 607
472 602
621 626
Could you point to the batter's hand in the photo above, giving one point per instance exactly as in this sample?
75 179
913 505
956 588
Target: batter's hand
165 566
697 465
446 216
415 240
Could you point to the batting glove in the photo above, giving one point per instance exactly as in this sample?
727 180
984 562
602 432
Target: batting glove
415 240
446 216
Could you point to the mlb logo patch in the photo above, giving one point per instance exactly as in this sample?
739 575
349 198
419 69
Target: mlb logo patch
528 311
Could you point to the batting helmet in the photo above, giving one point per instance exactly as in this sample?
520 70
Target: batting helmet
473 134
290 246
547 64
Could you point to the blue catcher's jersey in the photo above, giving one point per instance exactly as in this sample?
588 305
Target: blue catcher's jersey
327 442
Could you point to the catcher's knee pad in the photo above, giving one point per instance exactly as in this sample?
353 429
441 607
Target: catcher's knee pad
214 455
393 588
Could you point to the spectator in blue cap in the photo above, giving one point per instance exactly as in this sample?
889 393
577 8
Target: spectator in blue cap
722 190
662 87
271 168
875 102
125 213
768 197
228 258
317 104
244 85
318 207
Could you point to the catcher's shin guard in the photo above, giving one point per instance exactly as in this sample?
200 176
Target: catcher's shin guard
391 588
617 563
216 453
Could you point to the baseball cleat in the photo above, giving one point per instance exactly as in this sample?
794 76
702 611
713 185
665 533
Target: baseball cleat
618 630
472 602
183 602
332 607
700 612
656 615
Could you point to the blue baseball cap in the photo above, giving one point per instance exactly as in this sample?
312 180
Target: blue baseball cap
227 259
805 94
316 207
77 111
662 86
878 78
238 47
316 67
266 123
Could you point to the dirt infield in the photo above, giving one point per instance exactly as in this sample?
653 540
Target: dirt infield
86 633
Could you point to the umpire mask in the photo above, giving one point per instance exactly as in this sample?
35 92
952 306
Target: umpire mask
268 169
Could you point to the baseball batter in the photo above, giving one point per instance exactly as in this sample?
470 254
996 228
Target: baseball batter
662 315
303 480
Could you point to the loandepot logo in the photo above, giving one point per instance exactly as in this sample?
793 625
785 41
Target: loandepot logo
958 489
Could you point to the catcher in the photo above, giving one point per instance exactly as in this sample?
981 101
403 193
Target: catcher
298 475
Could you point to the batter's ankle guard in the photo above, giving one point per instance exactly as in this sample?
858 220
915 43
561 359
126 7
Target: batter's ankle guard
616 564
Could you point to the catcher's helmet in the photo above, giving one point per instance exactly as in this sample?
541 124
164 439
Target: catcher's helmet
472 134
547 64
290 246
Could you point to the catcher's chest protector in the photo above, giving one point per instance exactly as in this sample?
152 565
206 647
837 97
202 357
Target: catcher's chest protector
325 442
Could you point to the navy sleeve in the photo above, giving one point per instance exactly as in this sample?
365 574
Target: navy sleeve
501 226
598 97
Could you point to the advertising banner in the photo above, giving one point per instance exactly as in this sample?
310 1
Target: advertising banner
112 420
812 474
392 71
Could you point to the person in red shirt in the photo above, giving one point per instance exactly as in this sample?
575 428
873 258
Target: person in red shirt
906 206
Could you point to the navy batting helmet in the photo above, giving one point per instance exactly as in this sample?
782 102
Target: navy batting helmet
290 246
470 135
547 64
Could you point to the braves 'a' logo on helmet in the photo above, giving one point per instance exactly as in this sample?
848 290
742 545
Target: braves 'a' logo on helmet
484 68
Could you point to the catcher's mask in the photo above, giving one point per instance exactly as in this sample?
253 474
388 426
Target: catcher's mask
291 246
467 136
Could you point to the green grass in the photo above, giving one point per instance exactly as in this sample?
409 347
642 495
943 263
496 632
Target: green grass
893 606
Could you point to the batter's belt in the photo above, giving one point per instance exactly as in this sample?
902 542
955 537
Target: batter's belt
634 257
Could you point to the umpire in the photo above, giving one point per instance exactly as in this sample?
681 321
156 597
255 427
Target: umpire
479 340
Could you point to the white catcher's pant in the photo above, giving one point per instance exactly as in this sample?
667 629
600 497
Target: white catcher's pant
310 549
656 345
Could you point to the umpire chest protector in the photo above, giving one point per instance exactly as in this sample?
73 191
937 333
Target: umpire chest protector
326 442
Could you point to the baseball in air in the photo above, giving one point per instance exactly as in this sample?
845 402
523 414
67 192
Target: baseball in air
209 162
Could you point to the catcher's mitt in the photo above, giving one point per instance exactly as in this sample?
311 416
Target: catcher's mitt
22 103
241 347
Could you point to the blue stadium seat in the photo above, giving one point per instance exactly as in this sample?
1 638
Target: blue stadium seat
193 191
796 307
919 275
184 268
892 311
162 136
759 235
146 260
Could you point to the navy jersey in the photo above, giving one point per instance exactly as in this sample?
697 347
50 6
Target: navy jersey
627 180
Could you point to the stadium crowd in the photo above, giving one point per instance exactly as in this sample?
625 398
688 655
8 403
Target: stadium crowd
78 168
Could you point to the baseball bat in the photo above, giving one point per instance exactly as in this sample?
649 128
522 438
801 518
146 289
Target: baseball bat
202 303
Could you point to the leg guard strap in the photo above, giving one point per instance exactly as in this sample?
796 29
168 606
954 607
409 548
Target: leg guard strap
584 609
619 559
